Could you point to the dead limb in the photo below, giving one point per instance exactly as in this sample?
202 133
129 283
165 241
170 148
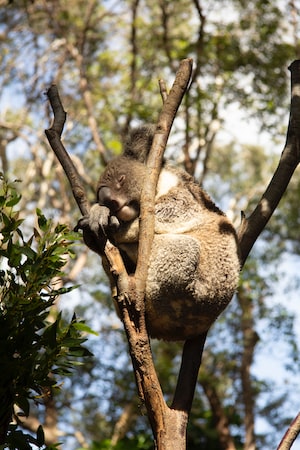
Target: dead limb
54 137
252 226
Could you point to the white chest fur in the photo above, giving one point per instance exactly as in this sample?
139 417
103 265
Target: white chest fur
167 180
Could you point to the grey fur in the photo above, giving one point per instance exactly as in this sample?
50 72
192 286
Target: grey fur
194 264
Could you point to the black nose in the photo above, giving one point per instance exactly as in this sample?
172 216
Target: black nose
106 198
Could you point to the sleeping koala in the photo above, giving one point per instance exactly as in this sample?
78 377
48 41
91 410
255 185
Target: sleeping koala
194 263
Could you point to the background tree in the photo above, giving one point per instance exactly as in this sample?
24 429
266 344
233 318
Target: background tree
99 55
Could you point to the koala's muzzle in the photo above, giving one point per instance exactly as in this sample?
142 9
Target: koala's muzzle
117 204
108 199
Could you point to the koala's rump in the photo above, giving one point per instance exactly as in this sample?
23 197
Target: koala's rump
189 284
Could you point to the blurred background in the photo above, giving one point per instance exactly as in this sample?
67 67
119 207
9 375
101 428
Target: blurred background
106 57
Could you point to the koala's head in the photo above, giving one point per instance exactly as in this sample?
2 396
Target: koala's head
120 185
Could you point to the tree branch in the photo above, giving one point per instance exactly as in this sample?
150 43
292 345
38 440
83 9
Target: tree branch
164 124
251 227
54 137
188 374
146 230
291 434
54 134
168 425
158 412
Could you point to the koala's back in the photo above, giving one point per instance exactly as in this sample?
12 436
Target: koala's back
194 266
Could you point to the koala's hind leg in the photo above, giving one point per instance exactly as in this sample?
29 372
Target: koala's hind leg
170 305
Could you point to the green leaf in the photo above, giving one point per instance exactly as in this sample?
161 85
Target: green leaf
40 436
49 335
14 200
81 326
23 403
42 221
2 200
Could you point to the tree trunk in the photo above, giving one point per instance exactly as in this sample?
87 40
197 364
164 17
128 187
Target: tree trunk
172 433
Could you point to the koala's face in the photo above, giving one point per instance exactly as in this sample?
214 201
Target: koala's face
119 188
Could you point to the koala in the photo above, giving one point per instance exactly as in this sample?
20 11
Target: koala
194 263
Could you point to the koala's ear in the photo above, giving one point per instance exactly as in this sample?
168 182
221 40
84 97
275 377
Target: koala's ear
138 142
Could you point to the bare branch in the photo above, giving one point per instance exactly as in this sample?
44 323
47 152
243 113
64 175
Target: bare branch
188 374
131 290
290 435
154 163
163 90
159 414
53 134
54 137
251 227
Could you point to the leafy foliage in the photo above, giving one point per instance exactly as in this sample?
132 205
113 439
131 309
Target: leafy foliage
36 346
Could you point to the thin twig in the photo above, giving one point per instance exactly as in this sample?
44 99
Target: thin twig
163 90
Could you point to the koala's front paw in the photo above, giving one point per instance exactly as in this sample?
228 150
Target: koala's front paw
97 226
99 221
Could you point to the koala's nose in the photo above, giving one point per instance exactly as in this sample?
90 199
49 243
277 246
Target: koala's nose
106 198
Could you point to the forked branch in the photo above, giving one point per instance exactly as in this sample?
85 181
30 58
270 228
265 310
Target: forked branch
131 298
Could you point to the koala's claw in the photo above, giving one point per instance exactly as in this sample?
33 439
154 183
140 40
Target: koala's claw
114 224
82 223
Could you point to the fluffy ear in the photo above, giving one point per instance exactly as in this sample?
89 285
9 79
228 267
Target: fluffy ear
138 142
